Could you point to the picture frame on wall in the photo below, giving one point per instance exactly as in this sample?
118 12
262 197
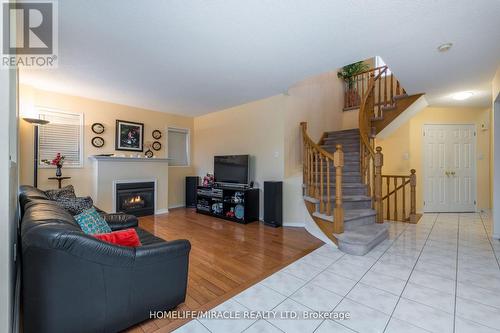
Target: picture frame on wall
129 136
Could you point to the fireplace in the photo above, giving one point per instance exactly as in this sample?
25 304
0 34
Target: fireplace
136 198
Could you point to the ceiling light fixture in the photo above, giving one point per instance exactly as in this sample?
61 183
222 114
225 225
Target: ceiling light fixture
445 47
460 96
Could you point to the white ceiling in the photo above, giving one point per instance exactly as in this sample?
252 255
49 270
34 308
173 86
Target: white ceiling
196 56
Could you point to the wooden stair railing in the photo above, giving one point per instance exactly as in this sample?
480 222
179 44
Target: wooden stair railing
396 185
371 160
317 164
357 85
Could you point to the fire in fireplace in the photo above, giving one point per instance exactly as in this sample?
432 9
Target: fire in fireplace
135 198
134 202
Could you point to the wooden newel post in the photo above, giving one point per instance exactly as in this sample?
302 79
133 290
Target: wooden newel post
338 212
413 196
305 161
379 162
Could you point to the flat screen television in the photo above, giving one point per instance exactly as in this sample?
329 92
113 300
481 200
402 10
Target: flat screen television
231 169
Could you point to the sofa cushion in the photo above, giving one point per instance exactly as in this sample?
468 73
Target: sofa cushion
91 222
75 206
65 192
126 237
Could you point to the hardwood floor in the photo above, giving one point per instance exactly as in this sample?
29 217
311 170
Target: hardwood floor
225 258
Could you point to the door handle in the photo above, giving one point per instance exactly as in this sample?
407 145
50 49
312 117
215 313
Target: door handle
447 173
453 173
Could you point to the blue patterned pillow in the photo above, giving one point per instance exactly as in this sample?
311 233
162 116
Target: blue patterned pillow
91 222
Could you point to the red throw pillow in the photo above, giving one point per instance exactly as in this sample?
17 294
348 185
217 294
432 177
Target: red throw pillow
127 237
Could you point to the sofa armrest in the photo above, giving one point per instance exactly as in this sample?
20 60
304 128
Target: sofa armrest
154 253
120 221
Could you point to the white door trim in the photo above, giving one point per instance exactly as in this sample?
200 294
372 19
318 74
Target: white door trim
474 164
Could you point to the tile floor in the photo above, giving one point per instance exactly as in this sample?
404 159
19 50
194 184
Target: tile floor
441 275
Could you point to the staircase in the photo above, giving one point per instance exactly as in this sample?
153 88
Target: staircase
343 172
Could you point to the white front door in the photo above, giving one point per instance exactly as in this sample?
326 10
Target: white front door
449 168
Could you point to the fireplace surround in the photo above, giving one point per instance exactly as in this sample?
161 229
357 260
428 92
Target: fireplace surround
136 198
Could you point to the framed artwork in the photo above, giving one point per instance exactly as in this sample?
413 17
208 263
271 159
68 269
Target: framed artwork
129 136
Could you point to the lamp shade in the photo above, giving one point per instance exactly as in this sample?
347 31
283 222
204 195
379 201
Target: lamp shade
36 121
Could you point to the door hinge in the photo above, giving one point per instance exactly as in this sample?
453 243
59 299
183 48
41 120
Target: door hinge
424 203
15 252
474 133
474 202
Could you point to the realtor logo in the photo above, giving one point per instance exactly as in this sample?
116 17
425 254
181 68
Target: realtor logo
29 36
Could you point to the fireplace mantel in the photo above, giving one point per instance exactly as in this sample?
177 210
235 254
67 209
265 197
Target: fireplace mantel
109 170
127 159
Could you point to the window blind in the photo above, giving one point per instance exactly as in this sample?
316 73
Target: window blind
178 147
62 135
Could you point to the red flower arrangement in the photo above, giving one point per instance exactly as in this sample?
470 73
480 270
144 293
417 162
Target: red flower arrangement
58 161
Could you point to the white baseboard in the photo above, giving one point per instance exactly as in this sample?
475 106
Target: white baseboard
161 211
294 224
176 206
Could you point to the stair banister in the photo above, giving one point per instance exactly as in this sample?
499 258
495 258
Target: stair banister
316 161
408 184
368 155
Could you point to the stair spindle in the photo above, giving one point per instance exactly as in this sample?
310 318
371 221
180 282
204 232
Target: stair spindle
321 196
404 200
391 100
316 187
388 182
396 198
338 218
385 89
328 194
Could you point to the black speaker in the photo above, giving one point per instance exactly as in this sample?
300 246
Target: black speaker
191 187
273 203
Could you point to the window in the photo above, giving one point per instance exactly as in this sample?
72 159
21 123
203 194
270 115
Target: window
178 147
379 62
63 134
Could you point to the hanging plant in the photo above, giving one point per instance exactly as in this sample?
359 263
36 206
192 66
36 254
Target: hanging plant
348 72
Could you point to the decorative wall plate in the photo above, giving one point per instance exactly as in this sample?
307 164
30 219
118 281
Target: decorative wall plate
148 153
97 142
156 134
156 145
97 128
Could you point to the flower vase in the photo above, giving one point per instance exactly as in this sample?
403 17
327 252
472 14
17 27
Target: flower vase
58 171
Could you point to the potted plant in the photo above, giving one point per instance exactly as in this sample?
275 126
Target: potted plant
58 162
347 74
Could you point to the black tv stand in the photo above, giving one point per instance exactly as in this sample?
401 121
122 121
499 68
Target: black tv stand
231 203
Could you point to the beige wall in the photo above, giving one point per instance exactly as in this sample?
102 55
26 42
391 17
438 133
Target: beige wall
269 131
317 101
255 129
105 113
408 139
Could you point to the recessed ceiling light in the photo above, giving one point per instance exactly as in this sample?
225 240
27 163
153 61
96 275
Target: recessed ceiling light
445 47
463 95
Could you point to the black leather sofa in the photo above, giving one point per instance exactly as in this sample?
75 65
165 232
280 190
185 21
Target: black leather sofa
73 282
